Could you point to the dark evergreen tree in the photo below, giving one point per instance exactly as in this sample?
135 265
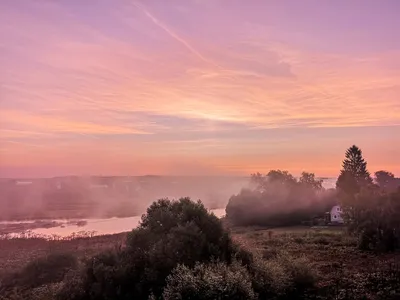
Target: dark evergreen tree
354 174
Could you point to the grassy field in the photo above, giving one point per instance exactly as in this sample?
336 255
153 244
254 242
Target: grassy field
342 269
15 253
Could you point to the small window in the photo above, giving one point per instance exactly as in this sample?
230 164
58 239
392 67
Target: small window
334 216
338 208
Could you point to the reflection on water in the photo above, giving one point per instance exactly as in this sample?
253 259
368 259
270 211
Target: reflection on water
102 226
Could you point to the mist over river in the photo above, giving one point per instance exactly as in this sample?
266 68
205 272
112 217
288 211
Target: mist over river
216 196
97 226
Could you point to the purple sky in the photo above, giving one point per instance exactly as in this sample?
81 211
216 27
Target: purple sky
196 86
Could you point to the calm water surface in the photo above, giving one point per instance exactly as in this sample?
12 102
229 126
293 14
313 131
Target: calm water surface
103 226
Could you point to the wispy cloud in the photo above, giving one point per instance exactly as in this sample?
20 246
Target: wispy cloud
172 33
143 75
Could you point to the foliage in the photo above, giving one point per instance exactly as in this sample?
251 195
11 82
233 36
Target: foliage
386 181
209 281
292 263
376 219
45 292
372 212
44 270
354 174
308 180
278 199
282 277
337 268
170 233
180 251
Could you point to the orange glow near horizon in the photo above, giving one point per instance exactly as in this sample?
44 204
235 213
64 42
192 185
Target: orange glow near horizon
191 88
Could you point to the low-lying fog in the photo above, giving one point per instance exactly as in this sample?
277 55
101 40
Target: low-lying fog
66 205
65 228
103 197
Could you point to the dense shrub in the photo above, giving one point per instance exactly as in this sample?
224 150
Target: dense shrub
282 277
45 292
278 199
171 233
44 270
209 281
270 279
374 216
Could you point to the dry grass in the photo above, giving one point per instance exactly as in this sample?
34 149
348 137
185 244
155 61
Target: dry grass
16 252
341 268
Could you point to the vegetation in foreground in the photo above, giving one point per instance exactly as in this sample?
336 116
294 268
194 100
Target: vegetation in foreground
326 260
284 263
181 251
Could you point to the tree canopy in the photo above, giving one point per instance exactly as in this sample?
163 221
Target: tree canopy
354 174
387 181
171 233
279 199
371 211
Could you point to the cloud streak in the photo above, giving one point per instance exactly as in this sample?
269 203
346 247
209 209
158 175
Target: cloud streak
173 34
125 82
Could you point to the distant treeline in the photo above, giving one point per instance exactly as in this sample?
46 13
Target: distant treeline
279 199
370 206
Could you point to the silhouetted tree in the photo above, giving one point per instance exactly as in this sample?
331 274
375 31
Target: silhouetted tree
258 181
386 180
279 199
282 177
309 180
274 178
372 213
354 174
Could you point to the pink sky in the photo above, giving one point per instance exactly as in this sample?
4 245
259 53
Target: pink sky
190 87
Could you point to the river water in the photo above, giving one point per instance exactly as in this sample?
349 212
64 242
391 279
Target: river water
99 226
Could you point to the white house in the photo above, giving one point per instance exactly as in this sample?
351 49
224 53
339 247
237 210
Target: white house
336 214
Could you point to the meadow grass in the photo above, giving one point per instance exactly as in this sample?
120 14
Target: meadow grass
328 256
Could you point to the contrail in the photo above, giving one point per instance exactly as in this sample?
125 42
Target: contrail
173 34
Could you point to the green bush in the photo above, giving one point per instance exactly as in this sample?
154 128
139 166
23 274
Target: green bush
302 276
374 217
209 281
72 286
282 277
170 233
270 279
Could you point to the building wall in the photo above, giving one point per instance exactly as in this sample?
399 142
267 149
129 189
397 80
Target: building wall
336 214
